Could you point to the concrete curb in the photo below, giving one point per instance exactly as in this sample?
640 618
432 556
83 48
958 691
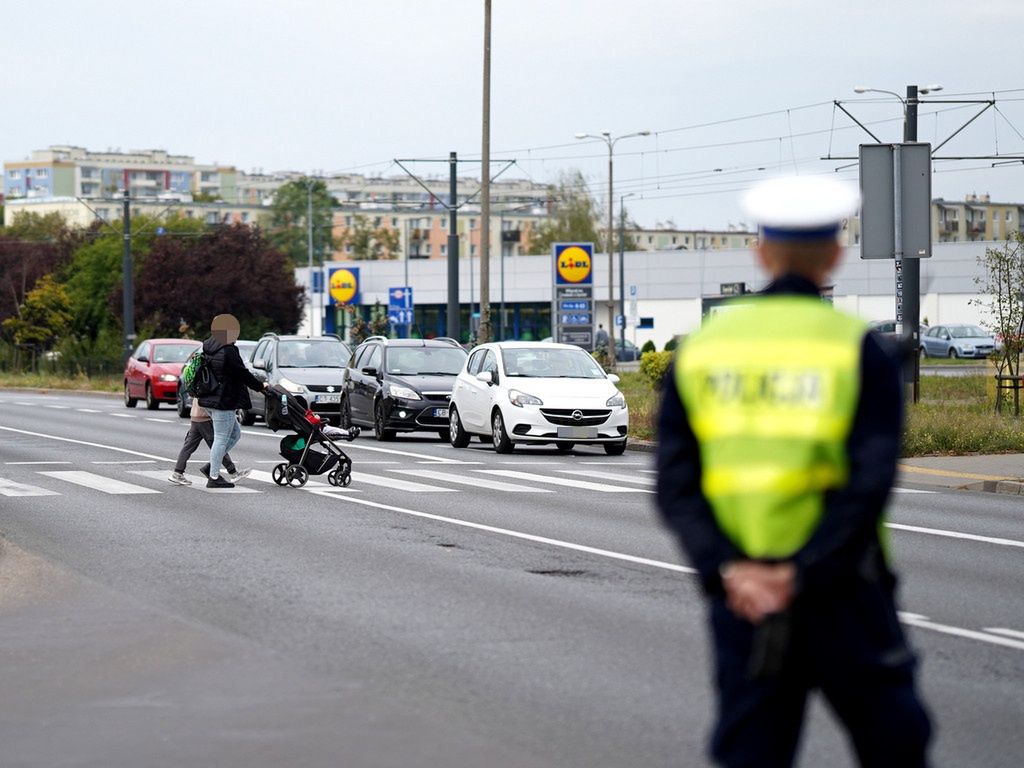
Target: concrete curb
1009 487
51 391
643 446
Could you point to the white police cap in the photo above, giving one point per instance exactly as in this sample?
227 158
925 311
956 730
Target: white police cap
801 207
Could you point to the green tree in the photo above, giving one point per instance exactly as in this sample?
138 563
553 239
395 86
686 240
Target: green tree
1002 286
43 318
574 218
369 242
288 220
32 246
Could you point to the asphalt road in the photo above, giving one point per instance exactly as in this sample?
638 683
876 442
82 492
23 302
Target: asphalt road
451 608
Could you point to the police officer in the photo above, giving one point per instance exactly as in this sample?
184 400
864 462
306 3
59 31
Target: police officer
777 445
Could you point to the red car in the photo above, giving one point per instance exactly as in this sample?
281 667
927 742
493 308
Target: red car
152 372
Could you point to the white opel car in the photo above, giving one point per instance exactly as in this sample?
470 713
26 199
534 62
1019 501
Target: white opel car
530 392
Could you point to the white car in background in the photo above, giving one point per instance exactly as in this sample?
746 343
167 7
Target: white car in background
534 392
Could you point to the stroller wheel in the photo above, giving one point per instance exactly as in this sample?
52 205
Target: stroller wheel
333 478
296 475
278 474
345 480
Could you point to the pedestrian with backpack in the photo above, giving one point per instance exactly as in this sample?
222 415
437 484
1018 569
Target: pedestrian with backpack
222 389
200 430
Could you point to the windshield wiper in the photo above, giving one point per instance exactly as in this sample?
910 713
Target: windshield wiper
432 373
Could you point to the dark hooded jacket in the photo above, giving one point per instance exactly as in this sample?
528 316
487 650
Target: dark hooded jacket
227 367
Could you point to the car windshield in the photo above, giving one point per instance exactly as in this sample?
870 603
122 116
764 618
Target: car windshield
173 353
423 361
966 332
311 354
538 363
245 348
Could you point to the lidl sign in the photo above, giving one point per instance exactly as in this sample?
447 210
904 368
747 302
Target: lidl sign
573 263
343 285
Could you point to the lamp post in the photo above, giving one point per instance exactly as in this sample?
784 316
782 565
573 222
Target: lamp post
611 141
908 271
309 247
622 267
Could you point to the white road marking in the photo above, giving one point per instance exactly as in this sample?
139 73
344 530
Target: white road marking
265 477
910 490
87 410
360 446
28 404
124 415
563 481
198 482
126 461
14 463
99 483
923 622
613 462
58 407
476 482
1007 632
361 478
11 488
608 476
160 421
363 461
519 535
649 471
85 442
956 535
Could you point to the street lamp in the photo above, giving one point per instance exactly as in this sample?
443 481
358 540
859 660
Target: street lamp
622 267
611 141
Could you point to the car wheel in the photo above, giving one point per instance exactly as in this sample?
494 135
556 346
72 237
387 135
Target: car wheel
384 435
445 435
151 402
457 435
183 410
245 418
499 437
129 401
615 449
346 413
953 354
923 353
564 446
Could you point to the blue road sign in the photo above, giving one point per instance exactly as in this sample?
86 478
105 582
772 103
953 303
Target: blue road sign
400 306
620 321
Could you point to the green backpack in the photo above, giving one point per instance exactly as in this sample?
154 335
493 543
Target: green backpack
196 377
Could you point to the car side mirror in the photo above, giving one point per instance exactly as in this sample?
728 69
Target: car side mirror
613 378
369 371
260 365
142 359
486 377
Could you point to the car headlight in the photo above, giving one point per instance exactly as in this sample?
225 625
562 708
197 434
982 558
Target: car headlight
966 348
168 377
616 401
401 393
521 398
293 387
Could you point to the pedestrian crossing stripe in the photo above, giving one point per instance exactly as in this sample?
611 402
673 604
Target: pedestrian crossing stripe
11 488
582 485
609 476
99 483
198 481
477 482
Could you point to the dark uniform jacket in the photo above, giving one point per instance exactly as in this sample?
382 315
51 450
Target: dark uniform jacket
226 364
848 533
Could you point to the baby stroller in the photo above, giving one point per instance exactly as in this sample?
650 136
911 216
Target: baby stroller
288 411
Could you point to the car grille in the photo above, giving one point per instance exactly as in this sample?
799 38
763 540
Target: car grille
564 416
437 397
324 388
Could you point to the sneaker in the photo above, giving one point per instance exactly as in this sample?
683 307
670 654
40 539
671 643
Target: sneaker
218 482
178 478
205 470
238 474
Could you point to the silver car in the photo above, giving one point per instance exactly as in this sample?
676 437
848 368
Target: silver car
957 340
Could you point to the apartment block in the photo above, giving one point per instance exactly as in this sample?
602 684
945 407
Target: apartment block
672 239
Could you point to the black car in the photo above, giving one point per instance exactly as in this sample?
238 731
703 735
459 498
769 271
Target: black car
401 385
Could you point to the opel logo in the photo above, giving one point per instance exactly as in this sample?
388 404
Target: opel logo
330 389
577 415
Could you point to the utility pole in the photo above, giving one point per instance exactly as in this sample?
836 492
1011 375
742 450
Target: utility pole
911 270
309 247
484 331
622 267
454 318
611 266
128 303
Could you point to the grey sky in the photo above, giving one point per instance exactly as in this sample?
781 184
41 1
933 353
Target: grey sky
316 84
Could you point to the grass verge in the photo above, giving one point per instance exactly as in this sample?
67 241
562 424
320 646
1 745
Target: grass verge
54 381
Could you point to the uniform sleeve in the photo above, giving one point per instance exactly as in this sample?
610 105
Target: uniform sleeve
849 527
236 368
684 508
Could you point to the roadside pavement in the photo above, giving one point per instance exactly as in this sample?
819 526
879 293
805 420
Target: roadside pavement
999 473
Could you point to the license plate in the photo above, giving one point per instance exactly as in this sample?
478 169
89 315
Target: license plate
578 433
440 413
328 398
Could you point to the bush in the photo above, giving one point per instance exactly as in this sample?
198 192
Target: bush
647 347
671 344
653 366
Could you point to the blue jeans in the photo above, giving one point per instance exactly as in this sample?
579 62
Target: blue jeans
226 432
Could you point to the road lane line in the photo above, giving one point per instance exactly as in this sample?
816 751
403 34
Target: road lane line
86 442
476 482
125 461
125 415
100 483
11 488
58 407
911 490
608 476
563 481
1007 632
25 463
517 534
198 482
160 421
87 410
923 622
956 535
395 484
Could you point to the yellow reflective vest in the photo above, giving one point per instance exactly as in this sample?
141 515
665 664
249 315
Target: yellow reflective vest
771 389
